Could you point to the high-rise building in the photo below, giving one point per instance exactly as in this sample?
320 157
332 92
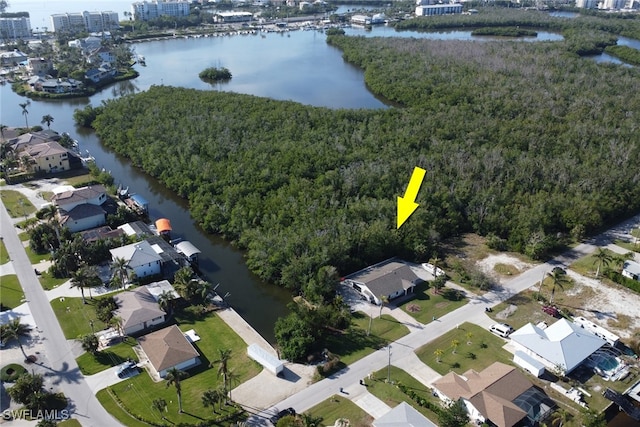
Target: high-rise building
85 21
14 28
147 10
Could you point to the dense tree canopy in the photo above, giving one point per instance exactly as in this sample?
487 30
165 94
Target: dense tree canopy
522 140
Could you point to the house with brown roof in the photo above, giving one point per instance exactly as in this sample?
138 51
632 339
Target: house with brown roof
168 348
138 310
391 278
500 394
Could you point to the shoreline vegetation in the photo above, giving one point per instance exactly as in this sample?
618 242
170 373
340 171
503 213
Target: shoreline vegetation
512 136
504 32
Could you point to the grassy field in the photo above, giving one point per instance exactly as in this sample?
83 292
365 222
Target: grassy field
340 407
16 203
588 265
4 255
355 344
113 356
11 294
23 236
36 258
390 394
74 316
49 282
138 392
426 304
477 348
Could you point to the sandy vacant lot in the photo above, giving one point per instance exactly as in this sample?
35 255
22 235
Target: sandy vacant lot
615 308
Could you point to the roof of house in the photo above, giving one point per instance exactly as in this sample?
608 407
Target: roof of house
136 307
491 391
157 288
137 228
78 195
561 344
403 415
137 254
632 267
104 232
20 142
167 348
386 277
49 148
84 210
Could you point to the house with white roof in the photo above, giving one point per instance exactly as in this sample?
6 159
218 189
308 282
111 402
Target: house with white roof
562 346
141 258
403 415
631 269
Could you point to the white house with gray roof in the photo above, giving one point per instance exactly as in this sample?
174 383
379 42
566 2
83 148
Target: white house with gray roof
563 345
141 257
391 279
631 269
138 310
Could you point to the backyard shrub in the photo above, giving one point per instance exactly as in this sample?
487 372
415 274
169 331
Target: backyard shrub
11 372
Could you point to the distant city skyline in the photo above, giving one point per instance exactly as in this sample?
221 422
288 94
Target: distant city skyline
40 11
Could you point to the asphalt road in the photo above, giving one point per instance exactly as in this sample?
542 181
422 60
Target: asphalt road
472 312
64 370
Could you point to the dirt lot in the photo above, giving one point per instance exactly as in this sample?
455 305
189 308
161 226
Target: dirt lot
615 308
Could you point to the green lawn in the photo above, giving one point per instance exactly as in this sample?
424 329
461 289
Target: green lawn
11 294
79 180
340 407
630 246
588 265
74 316
71 422
426 304
113 356
484 349
23 236
36 258
390 394
49 282
355 344
138 392
16 203
4 255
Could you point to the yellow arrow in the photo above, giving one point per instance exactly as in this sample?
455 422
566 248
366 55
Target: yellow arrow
407 204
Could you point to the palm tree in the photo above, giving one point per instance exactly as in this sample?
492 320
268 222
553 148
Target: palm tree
165 301
223 365
438 353
454 345
16 330
48 119
469 336
25 112
85 277
558 279
435 261
89 343
602 257
204 289
159 405
383 300
559 417
174 377
120 268
2 128
211 397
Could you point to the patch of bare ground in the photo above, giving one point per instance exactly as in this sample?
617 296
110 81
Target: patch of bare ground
503 264
613 307
467 246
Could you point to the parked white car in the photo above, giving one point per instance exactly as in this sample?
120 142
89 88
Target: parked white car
433 270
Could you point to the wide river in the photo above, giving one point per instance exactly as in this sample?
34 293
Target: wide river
296 65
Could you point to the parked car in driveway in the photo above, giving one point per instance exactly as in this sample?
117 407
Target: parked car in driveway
127 369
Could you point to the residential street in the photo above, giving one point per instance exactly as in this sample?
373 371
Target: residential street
401 352
61 362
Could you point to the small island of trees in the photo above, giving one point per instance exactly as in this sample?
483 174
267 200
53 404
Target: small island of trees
215 74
